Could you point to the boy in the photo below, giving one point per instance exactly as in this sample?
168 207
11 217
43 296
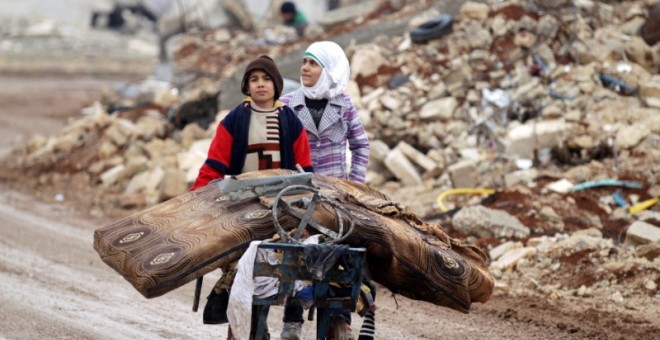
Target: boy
258 134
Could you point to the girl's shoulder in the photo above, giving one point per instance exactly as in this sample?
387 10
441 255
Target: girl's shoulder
344 101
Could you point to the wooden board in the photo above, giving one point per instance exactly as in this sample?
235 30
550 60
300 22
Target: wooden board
173 243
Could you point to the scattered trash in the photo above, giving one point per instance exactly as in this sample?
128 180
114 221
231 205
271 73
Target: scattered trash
617 85
561 186
398 80
555 95
643 205
433 29
623 68
59 197
460 191
619 200
524 164
607 182
497 97
541 64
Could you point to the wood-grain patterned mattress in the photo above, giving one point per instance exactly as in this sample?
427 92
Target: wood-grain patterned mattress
166 246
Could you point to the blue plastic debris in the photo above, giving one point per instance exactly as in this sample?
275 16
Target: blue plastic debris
617 85
619 200
609 183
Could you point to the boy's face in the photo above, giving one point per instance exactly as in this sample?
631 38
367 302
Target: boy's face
310 72
287 17
262 89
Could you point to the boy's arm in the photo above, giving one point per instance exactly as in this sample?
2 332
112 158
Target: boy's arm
218 160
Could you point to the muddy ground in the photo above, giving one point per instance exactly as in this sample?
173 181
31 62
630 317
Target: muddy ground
54 285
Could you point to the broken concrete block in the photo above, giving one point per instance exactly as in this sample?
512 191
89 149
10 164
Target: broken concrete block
173 184
402 168
111 176
512 257
366 61
417 157
520 177
189 162
463 174
522 140
649 91
107 150
442 108
650 251
475 10
485 222
391 103
631 135
378 150
133 200
639 52
503 248
67 142
642 233
154 179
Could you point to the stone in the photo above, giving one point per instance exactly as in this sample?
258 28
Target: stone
524 139
378 150
402 168
639 52
641 232
511 258
132 200
366 61
520 177
475 10
650 89
650 251
189 162
503 248
463 174
481 221
111 176
417 157
190 134
439 109
631 135
173 184
391 103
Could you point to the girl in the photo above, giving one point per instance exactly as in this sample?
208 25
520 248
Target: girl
328 114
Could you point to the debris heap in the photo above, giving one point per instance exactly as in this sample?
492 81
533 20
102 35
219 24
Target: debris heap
553 104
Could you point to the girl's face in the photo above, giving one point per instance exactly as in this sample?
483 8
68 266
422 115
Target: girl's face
262 89
310 72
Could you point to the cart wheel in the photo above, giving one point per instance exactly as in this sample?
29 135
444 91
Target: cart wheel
309 205
338 329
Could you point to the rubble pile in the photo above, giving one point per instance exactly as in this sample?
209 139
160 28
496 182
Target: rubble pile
511 82
553 104
215 55
582 265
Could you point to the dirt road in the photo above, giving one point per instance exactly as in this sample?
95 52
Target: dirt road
54 285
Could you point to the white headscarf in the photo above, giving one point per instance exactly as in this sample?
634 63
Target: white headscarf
335 74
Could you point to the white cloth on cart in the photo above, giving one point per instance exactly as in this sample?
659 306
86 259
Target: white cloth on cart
245 287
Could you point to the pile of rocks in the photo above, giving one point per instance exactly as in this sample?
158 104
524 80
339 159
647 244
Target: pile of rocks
527 97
